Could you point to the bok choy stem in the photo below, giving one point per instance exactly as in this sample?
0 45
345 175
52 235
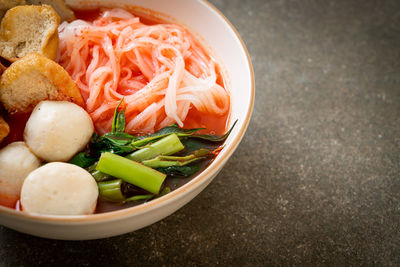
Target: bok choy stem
99 176
111 190
161 162
139 197
169 161
165 146
131 172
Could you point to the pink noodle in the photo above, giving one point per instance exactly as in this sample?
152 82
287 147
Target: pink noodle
159 70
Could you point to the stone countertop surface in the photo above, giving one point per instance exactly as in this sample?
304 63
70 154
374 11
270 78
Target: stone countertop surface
316 179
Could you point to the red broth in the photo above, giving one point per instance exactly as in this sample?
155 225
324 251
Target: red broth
17 124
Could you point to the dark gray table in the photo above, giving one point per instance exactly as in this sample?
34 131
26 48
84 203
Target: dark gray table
316 178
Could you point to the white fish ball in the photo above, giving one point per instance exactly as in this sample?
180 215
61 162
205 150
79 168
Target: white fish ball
16 162
59 188
57 130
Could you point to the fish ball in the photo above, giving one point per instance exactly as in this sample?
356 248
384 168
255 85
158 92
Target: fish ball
59 188
57 130
16 162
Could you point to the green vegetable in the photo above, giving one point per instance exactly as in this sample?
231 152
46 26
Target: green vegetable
131 172
164 191
184 171
82 160
110 158
117 143
119 120
214 138
165 146
99 176
119 139
168 161
111 190
138 197
172 129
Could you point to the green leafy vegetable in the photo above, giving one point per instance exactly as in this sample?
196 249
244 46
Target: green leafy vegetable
172 129
116 143
169 161
113 158
214 138
184 171
119 139
82 160
119 120
193 144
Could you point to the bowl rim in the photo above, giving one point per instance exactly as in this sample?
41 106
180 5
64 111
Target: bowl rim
177 193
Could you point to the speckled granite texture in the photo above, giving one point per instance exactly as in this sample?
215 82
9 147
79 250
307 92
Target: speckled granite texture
316 179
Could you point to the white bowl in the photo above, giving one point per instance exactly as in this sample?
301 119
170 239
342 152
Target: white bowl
201 18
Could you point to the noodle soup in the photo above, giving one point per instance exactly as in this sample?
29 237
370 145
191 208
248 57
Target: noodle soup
148 76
